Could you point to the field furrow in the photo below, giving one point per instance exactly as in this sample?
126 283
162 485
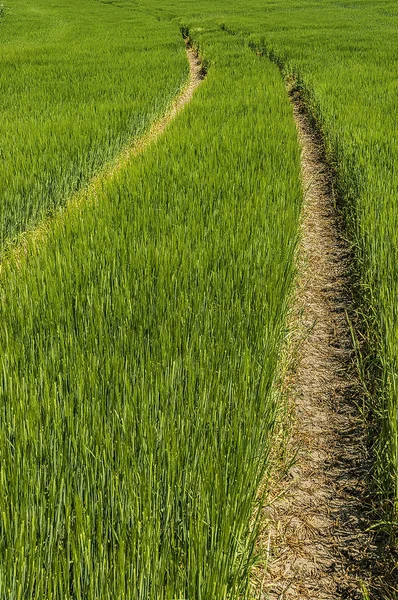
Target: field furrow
318 526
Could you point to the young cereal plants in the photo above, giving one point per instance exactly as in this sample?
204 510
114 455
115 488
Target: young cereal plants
344 57
78 82
139 351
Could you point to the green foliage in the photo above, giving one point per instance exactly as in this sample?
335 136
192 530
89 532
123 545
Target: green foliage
140 344
344 55
138 361
78 81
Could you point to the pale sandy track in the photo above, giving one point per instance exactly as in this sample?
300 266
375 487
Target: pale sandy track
33 238
196 76
316 529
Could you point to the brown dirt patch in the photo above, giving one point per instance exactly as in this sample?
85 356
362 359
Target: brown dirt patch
316 528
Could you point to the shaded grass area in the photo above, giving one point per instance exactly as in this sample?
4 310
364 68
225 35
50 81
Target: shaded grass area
139 349
78 81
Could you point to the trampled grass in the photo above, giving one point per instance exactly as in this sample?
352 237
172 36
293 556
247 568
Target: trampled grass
139 350
78 81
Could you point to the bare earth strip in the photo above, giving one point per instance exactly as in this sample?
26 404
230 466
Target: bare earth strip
316 526
33 238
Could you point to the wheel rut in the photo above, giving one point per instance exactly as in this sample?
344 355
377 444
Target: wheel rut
33 238
317 525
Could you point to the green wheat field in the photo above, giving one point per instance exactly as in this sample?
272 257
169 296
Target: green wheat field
141 337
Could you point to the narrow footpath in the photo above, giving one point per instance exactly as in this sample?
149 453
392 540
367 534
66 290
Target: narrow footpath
316 527
33 238
196 76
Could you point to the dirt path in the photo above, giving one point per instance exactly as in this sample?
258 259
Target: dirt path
316 527
196 76
33 238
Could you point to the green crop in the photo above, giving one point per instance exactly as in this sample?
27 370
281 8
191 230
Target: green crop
140 340
78 81
344 57
139 349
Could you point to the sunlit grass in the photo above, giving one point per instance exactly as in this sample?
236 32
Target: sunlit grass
78 81
139 350
344 56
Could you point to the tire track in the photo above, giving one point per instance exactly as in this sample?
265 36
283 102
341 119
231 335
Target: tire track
35 237
317 526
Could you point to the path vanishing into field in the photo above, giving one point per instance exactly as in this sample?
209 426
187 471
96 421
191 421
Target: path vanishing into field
33 238
196 76
316 527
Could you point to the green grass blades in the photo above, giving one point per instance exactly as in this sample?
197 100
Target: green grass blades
346 67
78 82
344 56
139 350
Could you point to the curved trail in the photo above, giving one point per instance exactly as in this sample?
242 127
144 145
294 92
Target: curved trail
317 525
88 194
